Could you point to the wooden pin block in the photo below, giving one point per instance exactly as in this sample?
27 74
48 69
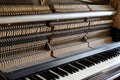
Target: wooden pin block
69 49
67 38
98 42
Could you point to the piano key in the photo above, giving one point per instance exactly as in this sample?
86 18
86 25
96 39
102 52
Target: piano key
81 64
84 62
92 63
55 76
27 79
103 58
52 72
36 78
32 77
40 77
58 71
78 65
108 55
44 75
98 57
93 60
74 67
96 68
66 69
60 77
49 76
67 77
69 68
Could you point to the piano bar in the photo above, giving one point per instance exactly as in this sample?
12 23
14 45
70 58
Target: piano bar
54 16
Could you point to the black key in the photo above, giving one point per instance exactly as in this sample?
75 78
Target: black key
108 55
77 65
46 75
103 57
50 75
75 69
115 53
84 62
59 72
68 68
90 61
55 76
32 77
84 67
112 53
93 60
98 57
22 79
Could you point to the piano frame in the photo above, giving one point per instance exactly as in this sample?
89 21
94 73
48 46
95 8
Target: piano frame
55 16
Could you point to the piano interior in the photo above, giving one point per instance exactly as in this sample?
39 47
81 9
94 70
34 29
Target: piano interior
59 39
